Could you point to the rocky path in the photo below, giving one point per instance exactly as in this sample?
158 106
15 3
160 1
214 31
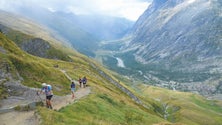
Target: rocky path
31 118
19 118
9 116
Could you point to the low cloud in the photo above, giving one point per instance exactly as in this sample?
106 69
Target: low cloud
130 9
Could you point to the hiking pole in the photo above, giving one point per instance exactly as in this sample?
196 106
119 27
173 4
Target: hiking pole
42 103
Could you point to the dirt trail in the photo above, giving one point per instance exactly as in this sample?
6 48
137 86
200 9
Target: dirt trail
12 117
19 118
31 118
61 101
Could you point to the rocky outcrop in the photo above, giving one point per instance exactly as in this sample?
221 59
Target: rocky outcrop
19 97
35 46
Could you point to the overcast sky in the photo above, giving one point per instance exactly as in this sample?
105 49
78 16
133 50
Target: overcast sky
130 9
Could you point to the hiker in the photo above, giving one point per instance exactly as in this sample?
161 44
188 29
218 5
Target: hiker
80 82
47 90
84 81
73 86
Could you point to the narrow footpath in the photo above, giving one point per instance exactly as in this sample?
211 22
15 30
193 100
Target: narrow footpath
9 116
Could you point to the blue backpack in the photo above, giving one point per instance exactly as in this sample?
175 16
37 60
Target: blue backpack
73 85
49 87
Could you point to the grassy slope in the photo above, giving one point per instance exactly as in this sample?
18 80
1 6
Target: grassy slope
34 70
107 105
186 108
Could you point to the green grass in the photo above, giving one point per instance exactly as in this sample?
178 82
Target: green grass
33 70
207 104
100 109
106 105
186 108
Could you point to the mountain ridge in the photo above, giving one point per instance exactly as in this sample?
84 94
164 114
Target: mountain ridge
17 22
83 32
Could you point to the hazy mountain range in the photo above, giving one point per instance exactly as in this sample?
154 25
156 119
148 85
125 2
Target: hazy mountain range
82 31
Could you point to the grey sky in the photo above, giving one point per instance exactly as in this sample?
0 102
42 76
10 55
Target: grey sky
130 9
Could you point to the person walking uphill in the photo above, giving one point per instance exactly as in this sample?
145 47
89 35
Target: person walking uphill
73 86
47 90
80 82
84 81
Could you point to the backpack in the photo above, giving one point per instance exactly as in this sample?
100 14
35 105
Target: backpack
49 87
73 85
84 80
48 90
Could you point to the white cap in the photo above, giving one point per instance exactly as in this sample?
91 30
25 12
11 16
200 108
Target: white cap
44 84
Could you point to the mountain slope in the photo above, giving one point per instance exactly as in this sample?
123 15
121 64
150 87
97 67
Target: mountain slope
107 103
69 33
29 27
17 67
178 41
32 71
34 46
185 107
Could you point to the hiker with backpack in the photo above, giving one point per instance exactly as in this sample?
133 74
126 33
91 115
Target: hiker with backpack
47 90
80 82
84 81
73 86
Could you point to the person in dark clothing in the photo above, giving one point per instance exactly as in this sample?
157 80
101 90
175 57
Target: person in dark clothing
73 87
84 81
